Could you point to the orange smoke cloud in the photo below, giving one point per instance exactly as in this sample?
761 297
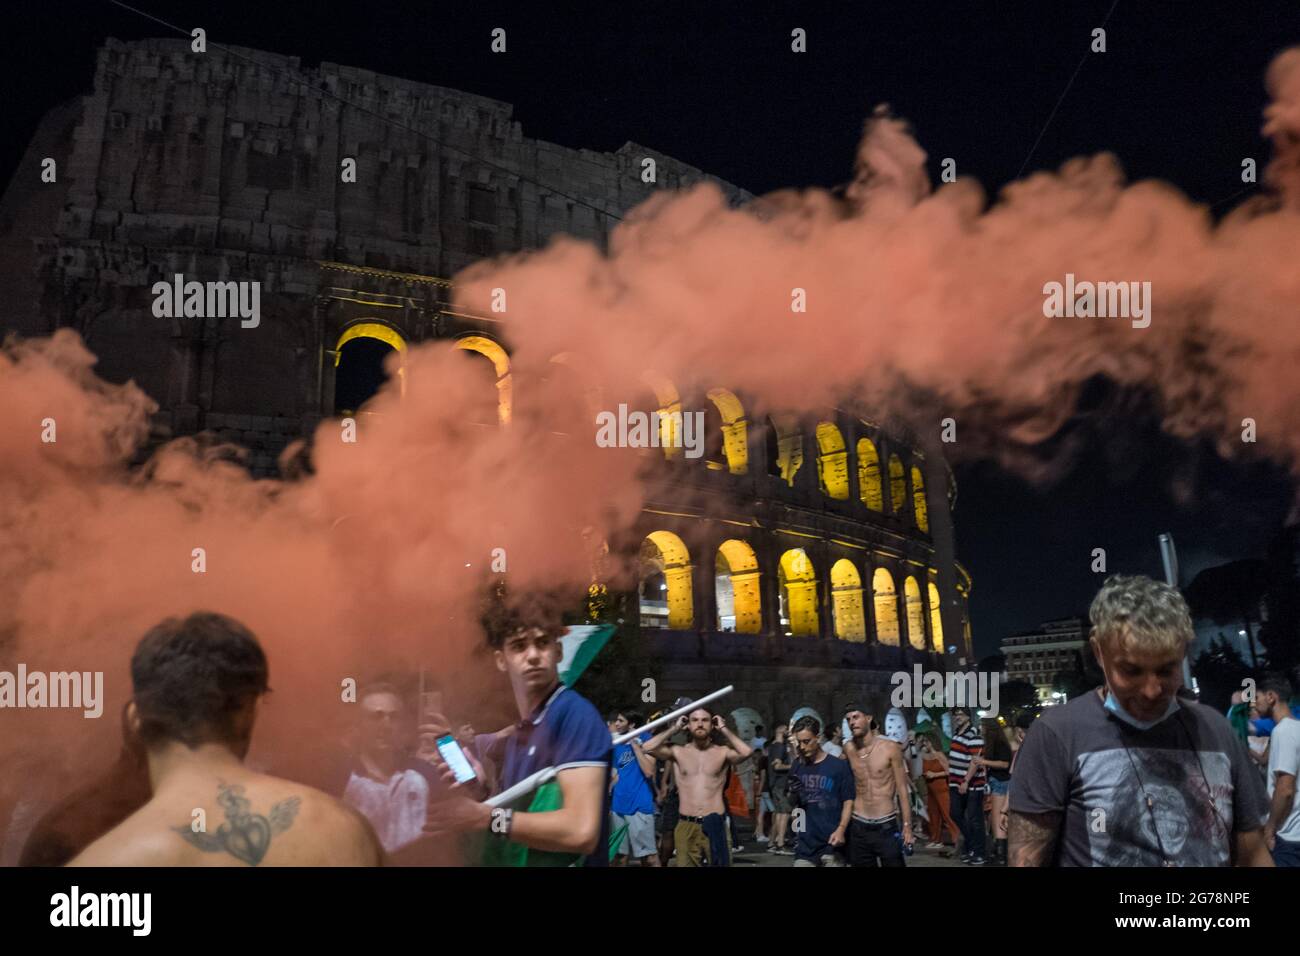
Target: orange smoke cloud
920 303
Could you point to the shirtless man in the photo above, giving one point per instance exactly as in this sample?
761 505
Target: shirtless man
880 780
196 684
701 770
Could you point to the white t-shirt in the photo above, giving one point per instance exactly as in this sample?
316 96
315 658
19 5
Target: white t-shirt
1284 757
395 809
835 750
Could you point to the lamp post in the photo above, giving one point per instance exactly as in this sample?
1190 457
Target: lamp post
1169 556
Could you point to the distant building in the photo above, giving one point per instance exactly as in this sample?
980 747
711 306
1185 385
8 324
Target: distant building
1038 656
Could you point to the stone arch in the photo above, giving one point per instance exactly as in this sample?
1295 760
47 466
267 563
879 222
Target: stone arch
919 509
936 619
897 485
738 588
352 381
846 592
832 462
869 486
670 413
494 352
746 720
735 429
784 447
885 599
805 711
797 586
664 556
915 613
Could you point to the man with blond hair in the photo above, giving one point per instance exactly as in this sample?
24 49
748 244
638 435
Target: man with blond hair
1130 774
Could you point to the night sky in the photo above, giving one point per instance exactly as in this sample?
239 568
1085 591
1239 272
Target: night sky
1177 96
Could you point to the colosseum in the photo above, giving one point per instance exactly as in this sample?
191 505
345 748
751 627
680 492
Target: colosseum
801 560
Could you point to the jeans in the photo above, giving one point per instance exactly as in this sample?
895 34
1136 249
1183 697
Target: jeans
1286 852
968 811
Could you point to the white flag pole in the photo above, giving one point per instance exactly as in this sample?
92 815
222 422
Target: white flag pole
668 718
531 783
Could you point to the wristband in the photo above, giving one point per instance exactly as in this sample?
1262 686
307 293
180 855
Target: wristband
502 830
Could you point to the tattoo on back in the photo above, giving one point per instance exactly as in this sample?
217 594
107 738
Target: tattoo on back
245 835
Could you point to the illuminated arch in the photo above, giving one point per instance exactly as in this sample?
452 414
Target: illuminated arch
738 592
663 553
735 430
501 363
915 613
369 330
885 599
936 619
798 589
785 447
846 593
670 413
381 333
869 487
897 485
918 501
832 462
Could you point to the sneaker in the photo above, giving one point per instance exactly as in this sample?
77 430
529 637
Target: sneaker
782 851
761 839
737 849
975 861
934 846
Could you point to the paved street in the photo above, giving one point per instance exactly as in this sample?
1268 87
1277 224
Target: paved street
755 854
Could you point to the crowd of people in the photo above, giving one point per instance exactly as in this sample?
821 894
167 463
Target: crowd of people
1134 773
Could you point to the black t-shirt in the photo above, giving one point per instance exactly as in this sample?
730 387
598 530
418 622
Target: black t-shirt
776 778
997 748
1084 761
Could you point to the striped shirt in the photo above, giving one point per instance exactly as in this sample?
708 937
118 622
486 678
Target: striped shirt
966 745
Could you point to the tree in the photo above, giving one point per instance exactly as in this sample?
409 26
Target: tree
1219 672
1016 697
1231 595
1280 633
617 677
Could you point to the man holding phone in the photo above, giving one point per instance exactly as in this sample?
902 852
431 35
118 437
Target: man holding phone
558 728
701 767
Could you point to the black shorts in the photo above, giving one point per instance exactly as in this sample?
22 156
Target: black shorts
875 844
669 812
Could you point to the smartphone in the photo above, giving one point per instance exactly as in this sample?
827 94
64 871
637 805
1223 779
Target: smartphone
456 759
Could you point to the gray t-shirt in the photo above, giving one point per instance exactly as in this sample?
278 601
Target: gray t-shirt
1086 762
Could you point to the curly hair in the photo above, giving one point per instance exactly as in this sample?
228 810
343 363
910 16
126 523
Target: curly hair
1141 613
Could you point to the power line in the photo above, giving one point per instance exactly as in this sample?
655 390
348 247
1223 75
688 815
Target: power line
308 86
1061 99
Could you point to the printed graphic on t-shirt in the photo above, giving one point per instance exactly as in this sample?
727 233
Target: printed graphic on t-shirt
1129 833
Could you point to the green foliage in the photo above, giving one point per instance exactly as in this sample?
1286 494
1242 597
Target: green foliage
1219 672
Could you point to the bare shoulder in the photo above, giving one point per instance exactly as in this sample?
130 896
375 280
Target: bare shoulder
133 842
337 831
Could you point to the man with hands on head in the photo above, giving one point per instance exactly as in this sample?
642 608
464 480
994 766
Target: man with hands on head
701 769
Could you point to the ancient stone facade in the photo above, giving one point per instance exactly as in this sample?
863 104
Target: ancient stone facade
837 562
228 167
